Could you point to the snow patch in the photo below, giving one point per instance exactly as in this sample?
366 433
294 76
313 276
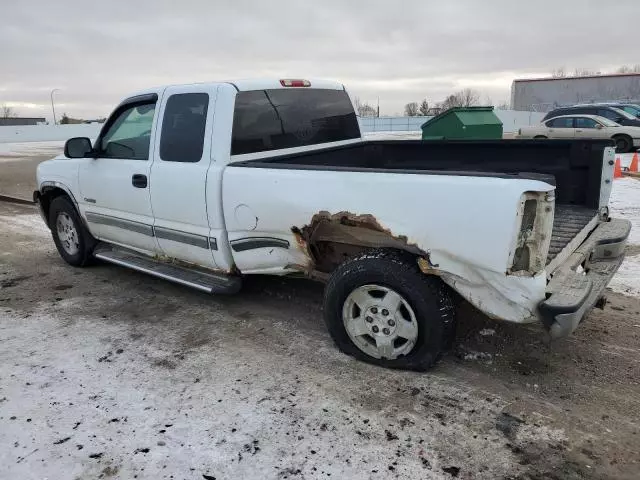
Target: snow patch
25 224
625 203
26 149
627 279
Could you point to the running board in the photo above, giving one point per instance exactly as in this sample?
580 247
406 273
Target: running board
203 281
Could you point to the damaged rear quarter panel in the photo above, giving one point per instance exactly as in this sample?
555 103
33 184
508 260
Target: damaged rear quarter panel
466 224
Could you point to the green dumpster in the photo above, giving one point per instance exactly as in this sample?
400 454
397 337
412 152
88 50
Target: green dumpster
468 123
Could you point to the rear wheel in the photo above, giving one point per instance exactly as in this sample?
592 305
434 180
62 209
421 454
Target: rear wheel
73 241
380 308
624 143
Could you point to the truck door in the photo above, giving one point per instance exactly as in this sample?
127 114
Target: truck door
114 186
179 175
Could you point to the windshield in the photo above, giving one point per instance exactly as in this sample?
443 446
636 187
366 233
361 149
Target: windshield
624 114
632 109
607 123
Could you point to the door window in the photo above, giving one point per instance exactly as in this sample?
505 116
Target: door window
563 122
584 122
129 134
183 127
610 114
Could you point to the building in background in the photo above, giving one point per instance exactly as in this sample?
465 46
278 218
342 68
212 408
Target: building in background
545 94
16 121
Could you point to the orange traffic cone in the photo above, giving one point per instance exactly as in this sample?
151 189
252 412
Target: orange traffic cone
617 170
634 163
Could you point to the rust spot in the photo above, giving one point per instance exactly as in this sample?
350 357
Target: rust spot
425 266
330 239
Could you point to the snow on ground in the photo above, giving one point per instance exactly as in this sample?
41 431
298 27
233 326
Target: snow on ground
625 203
399 135
9 151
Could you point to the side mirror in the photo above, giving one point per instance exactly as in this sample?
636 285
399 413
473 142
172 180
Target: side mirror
598 126
78 147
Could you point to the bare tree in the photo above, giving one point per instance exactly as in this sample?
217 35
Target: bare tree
503 106
7 112
424 107
363 108
628 69
464 98
584 72
559 73
468 97
411 109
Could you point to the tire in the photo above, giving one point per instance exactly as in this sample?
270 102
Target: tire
539 137
424 319
74 242
624 144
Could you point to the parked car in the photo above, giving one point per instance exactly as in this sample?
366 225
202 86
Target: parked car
585 126
630 108
614 114
207 183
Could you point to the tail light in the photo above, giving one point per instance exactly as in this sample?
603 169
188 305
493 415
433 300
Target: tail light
288 82
535 214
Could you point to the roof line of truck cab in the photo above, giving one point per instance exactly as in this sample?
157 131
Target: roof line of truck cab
270 84
243 85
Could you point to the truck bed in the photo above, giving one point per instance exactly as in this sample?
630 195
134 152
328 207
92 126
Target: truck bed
574 167
568 222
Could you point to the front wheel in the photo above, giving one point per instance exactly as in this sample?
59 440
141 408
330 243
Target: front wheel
380 308
72 239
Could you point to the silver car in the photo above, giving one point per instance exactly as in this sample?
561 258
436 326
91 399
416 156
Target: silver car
585 126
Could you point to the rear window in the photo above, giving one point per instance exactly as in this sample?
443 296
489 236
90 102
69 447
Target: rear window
284 118
562 122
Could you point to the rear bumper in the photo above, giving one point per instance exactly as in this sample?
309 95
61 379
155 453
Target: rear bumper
579 283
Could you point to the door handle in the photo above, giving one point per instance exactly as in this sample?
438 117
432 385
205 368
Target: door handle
139 181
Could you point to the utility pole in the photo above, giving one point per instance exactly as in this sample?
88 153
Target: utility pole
378 110
52 106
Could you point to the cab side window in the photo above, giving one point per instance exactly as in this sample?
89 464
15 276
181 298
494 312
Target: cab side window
183 127
129 135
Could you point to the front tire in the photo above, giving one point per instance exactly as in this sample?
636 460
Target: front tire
73 241
380 308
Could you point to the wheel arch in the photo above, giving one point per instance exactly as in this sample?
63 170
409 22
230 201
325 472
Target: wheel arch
330 240
51 190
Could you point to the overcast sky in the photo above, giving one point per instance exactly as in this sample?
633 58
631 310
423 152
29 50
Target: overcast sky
400 51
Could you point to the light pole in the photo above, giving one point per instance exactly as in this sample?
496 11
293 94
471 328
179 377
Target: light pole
52 107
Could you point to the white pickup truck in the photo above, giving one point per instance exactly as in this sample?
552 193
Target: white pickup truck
203 184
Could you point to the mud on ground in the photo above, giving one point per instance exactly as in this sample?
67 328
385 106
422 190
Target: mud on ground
108 373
